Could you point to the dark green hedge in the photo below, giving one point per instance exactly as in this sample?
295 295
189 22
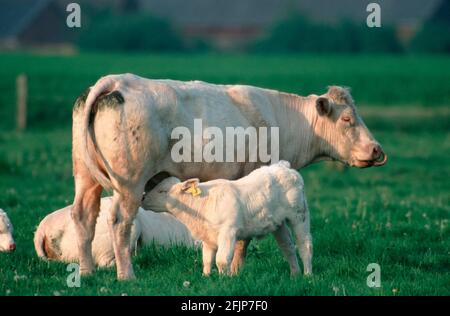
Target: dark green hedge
298 34
129 32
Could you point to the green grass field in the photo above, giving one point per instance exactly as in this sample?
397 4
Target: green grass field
396 215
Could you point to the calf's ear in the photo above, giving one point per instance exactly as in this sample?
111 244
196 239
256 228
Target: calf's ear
189 183
323 106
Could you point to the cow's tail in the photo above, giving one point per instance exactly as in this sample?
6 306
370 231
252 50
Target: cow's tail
103 86
39 239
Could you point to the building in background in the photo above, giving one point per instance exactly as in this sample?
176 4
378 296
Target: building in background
227 25
32 23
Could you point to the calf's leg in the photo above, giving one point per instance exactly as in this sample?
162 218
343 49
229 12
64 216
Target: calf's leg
86 207
208 255
226 243
284 240
301 228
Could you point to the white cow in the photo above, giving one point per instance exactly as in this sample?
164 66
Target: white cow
219 212
122 137
6 233
55 237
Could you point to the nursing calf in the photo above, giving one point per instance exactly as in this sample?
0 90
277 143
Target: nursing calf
220 212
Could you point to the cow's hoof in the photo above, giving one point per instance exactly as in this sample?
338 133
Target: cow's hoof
86 272
126 276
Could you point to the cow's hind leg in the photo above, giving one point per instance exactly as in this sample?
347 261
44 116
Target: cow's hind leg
240 251
122 214
84 214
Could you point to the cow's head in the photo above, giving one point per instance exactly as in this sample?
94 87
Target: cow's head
6 233
344 134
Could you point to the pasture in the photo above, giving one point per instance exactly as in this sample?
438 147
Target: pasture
396 215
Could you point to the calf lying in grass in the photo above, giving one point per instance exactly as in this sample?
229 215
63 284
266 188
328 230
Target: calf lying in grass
219 212
55 236
6 233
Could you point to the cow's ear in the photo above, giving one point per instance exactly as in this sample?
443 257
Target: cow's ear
190 183
323 106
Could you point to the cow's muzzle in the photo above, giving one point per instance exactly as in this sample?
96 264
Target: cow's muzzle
381 160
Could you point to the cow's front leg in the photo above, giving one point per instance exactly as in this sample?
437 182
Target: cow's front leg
122 214
226 243
84 214
284 240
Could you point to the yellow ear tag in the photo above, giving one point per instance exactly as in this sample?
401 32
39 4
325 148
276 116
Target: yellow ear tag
194 190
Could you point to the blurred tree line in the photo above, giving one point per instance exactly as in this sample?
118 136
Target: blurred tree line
131 31
109 30
298 34
434 36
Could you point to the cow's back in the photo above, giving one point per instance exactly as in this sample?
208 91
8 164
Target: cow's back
178 103
133 125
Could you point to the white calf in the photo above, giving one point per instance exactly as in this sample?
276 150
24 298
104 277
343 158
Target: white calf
55 237
219 212
6 233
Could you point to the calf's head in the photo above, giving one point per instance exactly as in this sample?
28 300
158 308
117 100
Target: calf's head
6 233
170 191
343 134
158 198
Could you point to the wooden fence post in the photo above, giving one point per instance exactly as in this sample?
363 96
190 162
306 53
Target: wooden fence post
21 102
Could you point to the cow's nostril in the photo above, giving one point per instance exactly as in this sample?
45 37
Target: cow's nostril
376 151
12 247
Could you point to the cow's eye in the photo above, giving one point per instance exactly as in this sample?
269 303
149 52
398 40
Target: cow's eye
346 119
